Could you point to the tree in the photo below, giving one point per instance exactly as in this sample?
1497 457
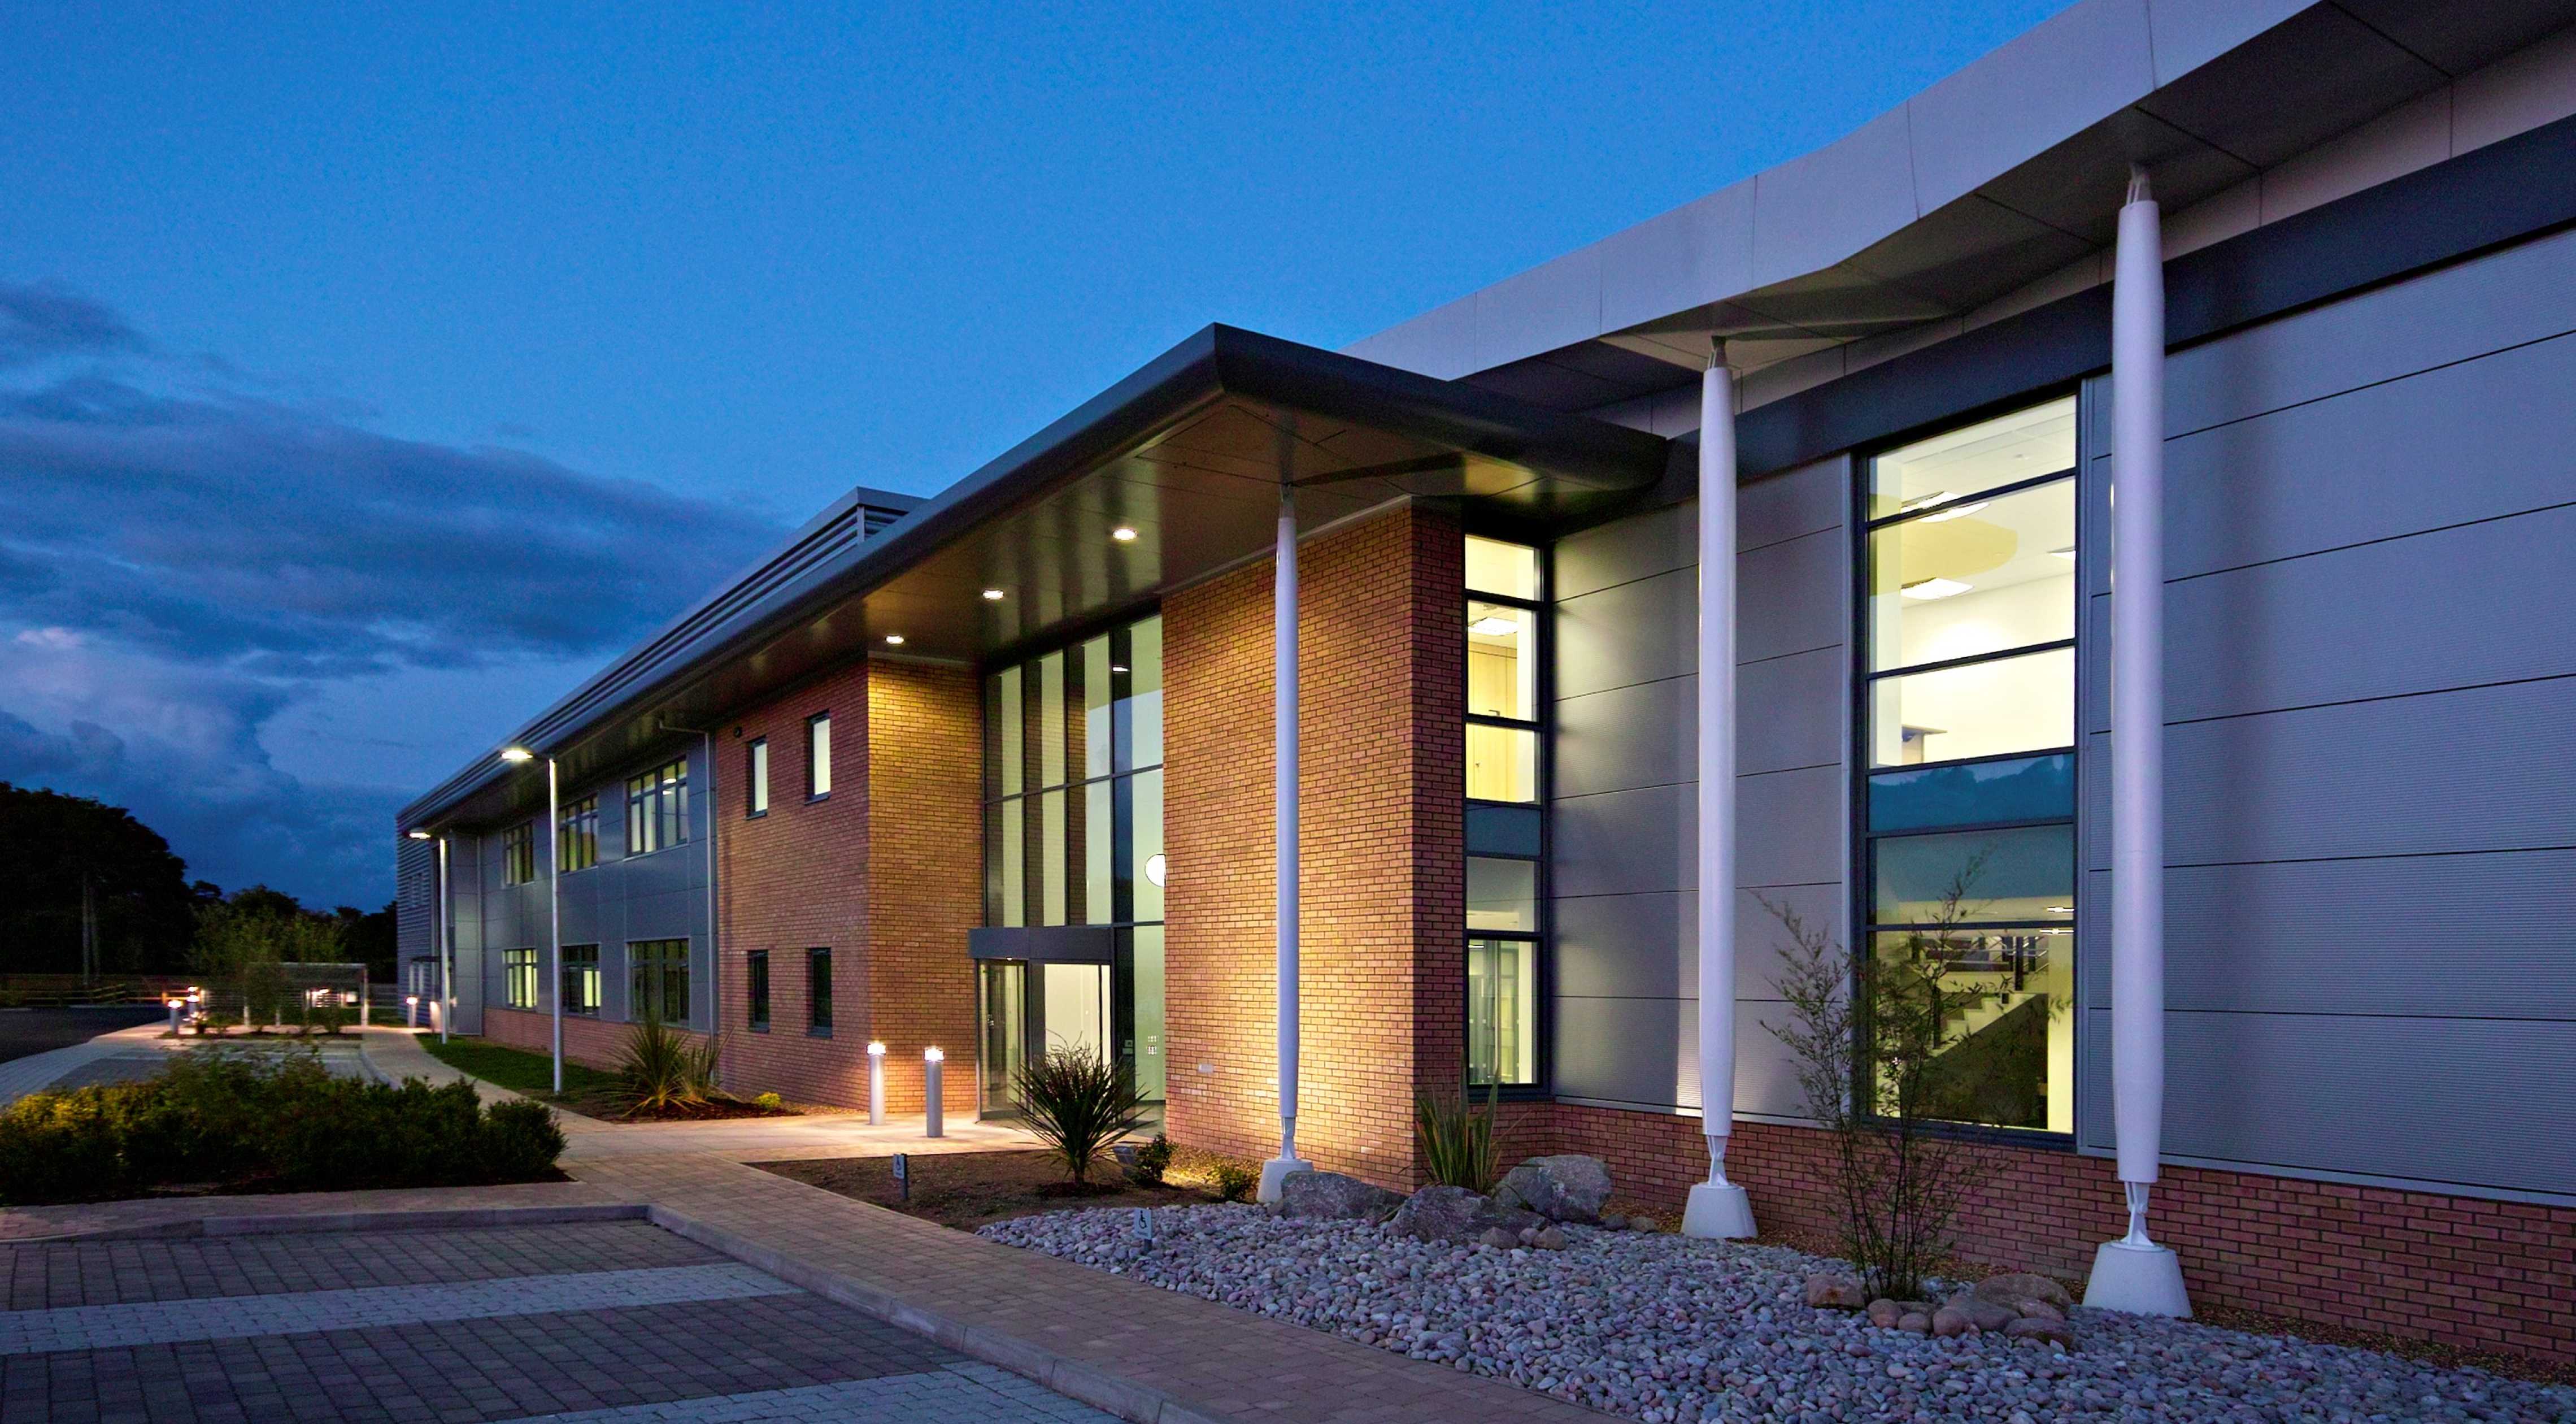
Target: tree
56 850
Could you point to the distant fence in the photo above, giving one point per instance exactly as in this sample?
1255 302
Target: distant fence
60 991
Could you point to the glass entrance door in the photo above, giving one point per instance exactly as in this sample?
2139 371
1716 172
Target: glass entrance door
1076 1009
1001 987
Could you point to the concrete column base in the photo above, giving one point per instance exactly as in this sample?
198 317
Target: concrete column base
1718 1213
2142 1280
1275 1172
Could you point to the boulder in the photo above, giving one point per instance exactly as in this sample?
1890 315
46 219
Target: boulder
1947 1322
1884 1313
1456 1215
2038 1331
2004 1290
1330 1196
1644 1223
1570 1187
1613 1221
1915 1322
1835 1293
1980 1312
1548 1238
1501 1238
2039 1310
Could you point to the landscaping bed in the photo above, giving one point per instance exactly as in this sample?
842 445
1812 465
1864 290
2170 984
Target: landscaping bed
588 1092
1666 1329
970 1189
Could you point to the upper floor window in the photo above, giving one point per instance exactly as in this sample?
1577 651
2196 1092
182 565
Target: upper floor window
1073 784
518 854
818 756
755 778
1503 655
657 809
1967 844
1505 632
578 834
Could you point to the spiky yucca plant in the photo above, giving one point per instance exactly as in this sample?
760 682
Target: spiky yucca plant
1456 1141
1080 1104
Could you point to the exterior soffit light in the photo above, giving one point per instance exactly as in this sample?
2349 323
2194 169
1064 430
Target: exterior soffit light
517 754
419 835
1932 588
993 595
894 640
1123 534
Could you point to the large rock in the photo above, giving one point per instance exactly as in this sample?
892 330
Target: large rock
1976 1310
1829 1292
1456 1215
1570 1187
2048 1332
1330 1196
2011 1290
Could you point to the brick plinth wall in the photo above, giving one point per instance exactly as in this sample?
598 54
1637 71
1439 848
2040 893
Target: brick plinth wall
2481 1274
591 1042
1381 782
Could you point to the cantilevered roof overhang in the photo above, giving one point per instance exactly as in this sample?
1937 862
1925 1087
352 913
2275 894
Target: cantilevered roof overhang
1190 453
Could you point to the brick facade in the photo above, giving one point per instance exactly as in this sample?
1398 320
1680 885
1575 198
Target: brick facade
589 1041
1381 785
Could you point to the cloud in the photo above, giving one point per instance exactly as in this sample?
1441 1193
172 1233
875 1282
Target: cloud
185 557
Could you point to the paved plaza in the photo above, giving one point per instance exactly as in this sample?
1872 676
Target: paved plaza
613 1320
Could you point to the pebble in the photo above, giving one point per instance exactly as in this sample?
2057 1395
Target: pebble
1667 1328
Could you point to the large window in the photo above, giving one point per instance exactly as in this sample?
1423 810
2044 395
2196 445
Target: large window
657 809
1505 649
757 963
755 778
578 835
818 992
518 854
519 978
1967 810
581 979
659 980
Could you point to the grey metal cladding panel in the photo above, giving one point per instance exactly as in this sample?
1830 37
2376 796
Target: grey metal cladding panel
2476 1102
2521 294
2473 441
2480 603
1790 596
1640 946
2489 768
1639 546
1627 737
1792 711
1794 503
1625 1050
1625 842
1791 827
2456 936
1640 631
1766 1074
1762 943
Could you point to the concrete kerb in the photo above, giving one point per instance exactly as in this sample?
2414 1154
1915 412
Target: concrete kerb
1066 1376
287 1223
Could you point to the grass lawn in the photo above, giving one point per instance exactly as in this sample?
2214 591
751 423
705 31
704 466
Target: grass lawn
590 1092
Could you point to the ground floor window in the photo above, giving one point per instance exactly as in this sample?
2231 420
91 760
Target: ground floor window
1502 1012
519 977
818 992
581 978
757 963
660 973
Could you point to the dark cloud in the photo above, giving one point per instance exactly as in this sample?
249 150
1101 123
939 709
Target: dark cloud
183 557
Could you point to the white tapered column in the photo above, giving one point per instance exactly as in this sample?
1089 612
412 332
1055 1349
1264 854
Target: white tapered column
2133 1273
554 908
446 948
1284 799
1718 1208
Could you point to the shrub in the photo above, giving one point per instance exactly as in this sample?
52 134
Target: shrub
1455 1141
661 1068
1078 1103
1152 1161
769 1100
1235 1181
521 1140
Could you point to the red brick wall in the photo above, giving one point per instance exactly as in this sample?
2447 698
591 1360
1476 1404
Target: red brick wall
2480 1274
926 868
1381 883
592 1042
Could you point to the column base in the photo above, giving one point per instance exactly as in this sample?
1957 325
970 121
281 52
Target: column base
1275 1172
1718 1213
2142 1280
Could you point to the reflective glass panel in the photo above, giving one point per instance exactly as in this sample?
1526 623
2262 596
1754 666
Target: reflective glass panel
1955 876
1015 885
1496 567
1150 869
1957 463
1007 716
1145 692
1050 856
1975 576
1502 763
1502 662
1501 894
1993 1012
1984 709
1099 846
1980 793
1148 1013
1502 1011
1096 740
1050 672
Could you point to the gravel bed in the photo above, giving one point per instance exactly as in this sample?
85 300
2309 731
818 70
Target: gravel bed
1666 1329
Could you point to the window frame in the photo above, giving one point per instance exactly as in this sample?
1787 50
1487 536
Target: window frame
519 854
657 803
577 835
519 966
818 756
756 990
1542 607
1026 809
1861 842
755 779
818 991
568 963
656 970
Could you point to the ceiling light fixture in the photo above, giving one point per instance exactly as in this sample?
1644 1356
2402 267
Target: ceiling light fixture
1927 501
894 640
2061 909
2067 553
1954 513
1123 534
1494 625
992 595
1935 588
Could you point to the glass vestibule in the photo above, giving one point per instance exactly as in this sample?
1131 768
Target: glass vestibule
1969 627
1100 993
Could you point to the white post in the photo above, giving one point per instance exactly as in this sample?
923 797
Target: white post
876 1085
2134 1273
1283 601
1717 1208
446 948
933 1108
554 912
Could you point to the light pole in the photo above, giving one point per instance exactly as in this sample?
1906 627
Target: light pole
554 899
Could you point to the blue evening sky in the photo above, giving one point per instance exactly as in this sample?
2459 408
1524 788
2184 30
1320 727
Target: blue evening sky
369 374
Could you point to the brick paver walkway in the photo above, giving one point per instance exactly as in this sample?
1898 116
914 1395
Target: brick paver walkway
1142 1353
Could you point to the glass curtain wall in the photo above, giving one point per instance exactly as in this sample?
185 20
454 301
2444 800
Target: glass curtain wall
1505 632
1967 804
1073 835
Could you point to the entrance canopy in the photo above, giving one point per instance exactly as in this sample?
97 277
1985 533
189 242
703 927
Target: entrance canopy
1170 475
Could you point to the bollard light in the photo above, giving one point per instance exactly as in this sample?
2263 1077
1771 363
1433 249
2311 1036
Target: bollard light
174 1005
876 1085
411 1010
931 1061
